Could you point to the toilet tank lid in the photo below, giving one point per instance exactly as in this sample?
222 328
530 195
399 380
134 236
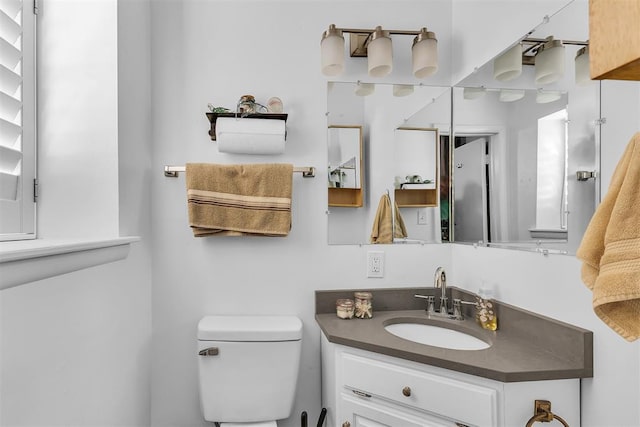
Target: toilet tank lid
250 328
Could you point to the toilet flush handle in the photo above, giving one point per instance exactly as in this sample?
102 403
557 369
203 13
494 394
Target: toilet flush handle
211 351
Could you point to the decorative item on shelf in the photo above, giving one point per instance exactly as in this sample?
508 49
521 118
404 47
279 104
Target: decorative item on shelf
363 305
274 105
217 109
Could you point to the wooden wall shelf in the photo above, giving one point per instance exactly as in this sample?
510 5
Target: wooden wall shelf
214 116
345 197
416 198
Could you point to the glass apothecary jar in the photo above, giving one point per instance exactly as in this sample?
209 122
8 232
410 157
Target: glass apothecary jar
364 306
345 308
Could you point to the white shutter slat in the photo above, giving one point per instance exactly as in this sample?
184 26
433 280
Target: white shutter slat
11 7
9 133
10 160
10 30
9 81
9 107
10 55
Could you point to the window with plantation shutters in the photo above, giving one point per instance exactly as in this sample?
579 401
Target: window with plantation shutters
17 120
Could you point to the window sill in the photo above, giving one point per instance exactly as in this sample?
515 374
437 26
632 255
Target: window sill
27 261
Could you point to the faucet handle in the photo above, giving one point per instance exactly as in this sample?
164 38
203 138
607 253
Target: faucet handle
430 304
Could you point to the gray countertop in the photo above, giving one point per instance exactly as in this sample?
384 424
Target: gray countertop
526 346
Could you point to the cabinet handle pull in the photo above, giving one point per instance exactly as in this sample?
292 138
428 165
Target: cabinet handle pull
346 424
361 393
406 391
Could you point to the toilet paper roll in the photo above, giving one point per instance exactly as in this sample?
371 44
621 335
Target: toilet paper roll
250 136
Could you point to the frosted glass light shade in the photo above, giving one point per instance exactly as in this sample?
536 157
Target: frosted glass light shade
380 53
511 95
508 66
583 74
424 54
402 90
332 52
364 89
473 92
546 96
550 63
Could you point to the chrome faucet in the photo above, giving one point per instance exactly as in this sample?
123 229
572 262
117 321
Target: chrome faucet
440 281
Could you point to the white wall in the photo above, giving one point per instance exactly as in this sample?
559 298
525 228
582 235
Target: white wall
215 52
75 348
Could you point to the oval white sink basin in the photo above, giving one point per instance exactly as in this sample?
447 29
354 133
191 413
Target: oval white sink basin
436 336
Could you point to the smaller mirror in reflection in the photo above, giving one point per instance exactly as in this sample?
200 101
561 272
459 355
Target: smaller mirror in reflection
345 156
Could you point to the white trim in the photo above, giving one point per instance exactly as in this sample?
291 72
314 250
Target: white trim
27 261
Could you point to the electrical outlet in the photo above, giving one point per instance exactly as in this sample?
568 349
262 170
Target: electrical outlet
422 216
375 264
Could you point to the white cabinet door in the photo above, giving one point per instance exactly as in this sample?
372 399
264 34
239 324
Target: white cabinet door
362 413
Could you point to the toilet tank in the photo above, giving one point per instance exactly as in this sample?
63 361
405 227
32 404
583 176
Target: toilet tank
248 367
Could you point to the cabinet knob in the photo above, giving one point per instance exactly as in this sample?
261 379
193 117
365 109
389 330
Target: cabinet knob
406 391
346 424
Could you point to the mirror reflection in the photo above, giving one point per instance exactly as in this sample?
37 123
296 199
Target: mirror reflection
526 126
345 157
402 131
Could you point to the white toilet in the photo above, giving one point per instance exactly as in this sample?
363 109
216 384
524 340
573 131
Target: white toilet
248 368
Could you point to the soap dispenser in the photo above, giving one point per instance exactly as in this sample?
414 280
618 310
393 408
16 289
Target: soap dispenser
485 308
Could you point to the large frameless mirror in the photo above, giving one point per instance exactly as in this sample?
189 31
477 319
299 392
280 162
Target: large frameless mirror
526 138
402 129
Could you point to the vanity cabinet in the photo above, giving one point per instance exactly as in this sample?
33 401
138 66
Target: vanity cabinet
367 389
614 39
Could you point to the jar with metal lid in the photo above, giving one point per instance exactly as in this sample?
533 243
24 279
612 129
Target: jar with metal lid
364 307
345 308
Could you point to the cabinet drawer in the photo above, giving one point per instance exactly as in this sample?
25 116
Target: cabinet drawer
468 403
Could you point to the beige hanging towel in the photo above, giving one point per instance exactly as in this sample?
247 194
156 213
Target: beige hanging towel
237 200
610 248
383 222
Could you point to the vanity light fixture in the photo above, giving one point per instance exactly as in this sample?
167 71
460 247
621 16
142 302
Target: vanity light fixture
550 62
508 66
376 45
364 89
473 92
511 95
402 90
332 51
547 96
583 74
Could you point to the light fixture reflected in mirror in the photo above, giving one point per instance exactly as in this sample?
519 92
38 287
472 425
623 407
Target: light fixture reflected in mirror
424 54
508 66
332 51
402 90
547 96
583 74
473 92
364 89
550 62
376 45
511 95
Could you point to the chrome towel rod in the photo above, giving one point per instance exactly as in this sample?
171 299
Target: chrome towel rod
306 171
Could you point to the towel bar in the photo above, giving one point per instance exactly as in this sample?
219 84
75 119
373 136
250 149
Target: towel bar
306 171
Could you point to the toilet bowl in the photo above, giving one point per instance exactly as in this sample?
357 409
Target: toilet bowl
248 368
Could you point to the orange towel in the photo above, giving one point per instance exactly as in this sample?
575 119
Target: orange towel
236 200
610 248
